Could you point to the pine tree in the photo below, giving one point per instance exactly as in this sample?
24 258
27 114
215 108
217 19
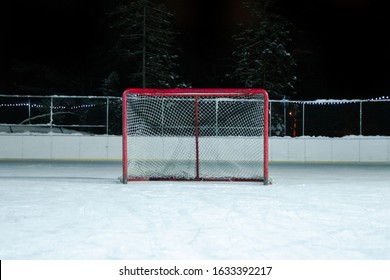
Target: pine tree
261 57
110 86
145 51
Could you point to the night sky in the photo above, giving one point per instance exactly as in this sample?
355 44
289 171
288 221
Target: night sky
340 46
348 41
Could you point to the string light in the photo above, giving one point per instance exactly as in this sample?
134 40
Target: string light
332 101
42 106
312 102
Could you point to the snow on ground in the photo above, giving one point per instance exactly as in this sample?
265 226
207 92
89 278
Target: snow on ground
79 210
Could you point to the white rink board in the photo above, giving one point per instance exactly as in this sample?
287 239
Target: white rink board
300 149
325 149
60 147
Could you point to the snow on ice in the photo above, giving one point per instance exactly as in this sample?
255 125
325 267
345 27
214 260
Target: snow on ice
80 210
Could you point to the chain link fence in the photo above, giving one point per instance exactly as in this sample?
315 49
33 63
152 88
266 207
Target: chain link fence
332 118
60 114
102 115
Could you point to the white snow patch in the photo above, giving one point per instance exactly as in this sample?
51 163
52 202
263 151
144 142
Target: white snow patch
73 210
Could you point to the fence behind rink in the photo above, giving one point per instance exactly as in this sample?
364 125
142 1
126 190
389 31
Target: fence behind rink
100 115
60 114
332 118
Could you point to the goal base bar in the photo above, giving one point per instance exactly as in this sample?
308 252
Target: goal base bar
265 181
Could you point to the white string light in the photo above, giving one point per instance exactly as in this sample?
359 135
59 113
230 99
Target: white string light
313 102
332 101
42 106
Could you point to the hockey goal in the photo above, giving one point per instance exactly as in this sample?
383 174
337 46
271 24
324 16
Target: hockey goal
195 134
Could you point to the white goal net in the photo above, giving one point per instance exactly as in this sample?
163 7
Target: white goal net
195 134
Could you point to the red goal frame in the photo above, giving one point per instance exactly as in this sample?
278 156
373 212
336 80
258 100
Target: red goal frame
195 93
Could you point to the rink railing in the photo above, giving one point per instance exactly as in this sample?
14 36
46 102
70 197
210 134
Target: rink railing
102 115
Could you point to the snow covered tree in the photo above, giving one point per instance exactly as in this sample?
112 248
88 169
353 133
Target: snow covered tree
145 52
261 57
110 86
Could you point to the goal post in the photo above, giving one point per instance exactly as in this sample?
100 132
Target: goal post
195 134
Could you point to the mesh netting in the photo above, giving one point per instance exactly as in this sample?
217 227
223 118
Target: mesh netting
195 137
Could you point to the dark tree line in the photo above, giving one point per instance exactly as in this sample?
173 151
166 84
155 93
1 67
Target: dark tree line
144 51
261 56
137 43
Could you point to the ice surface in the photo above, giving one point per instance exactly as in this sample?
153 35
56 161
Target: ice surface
79 210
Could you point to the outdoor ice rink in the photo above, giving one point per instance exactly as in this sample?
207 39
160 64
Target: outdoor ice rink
80 210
